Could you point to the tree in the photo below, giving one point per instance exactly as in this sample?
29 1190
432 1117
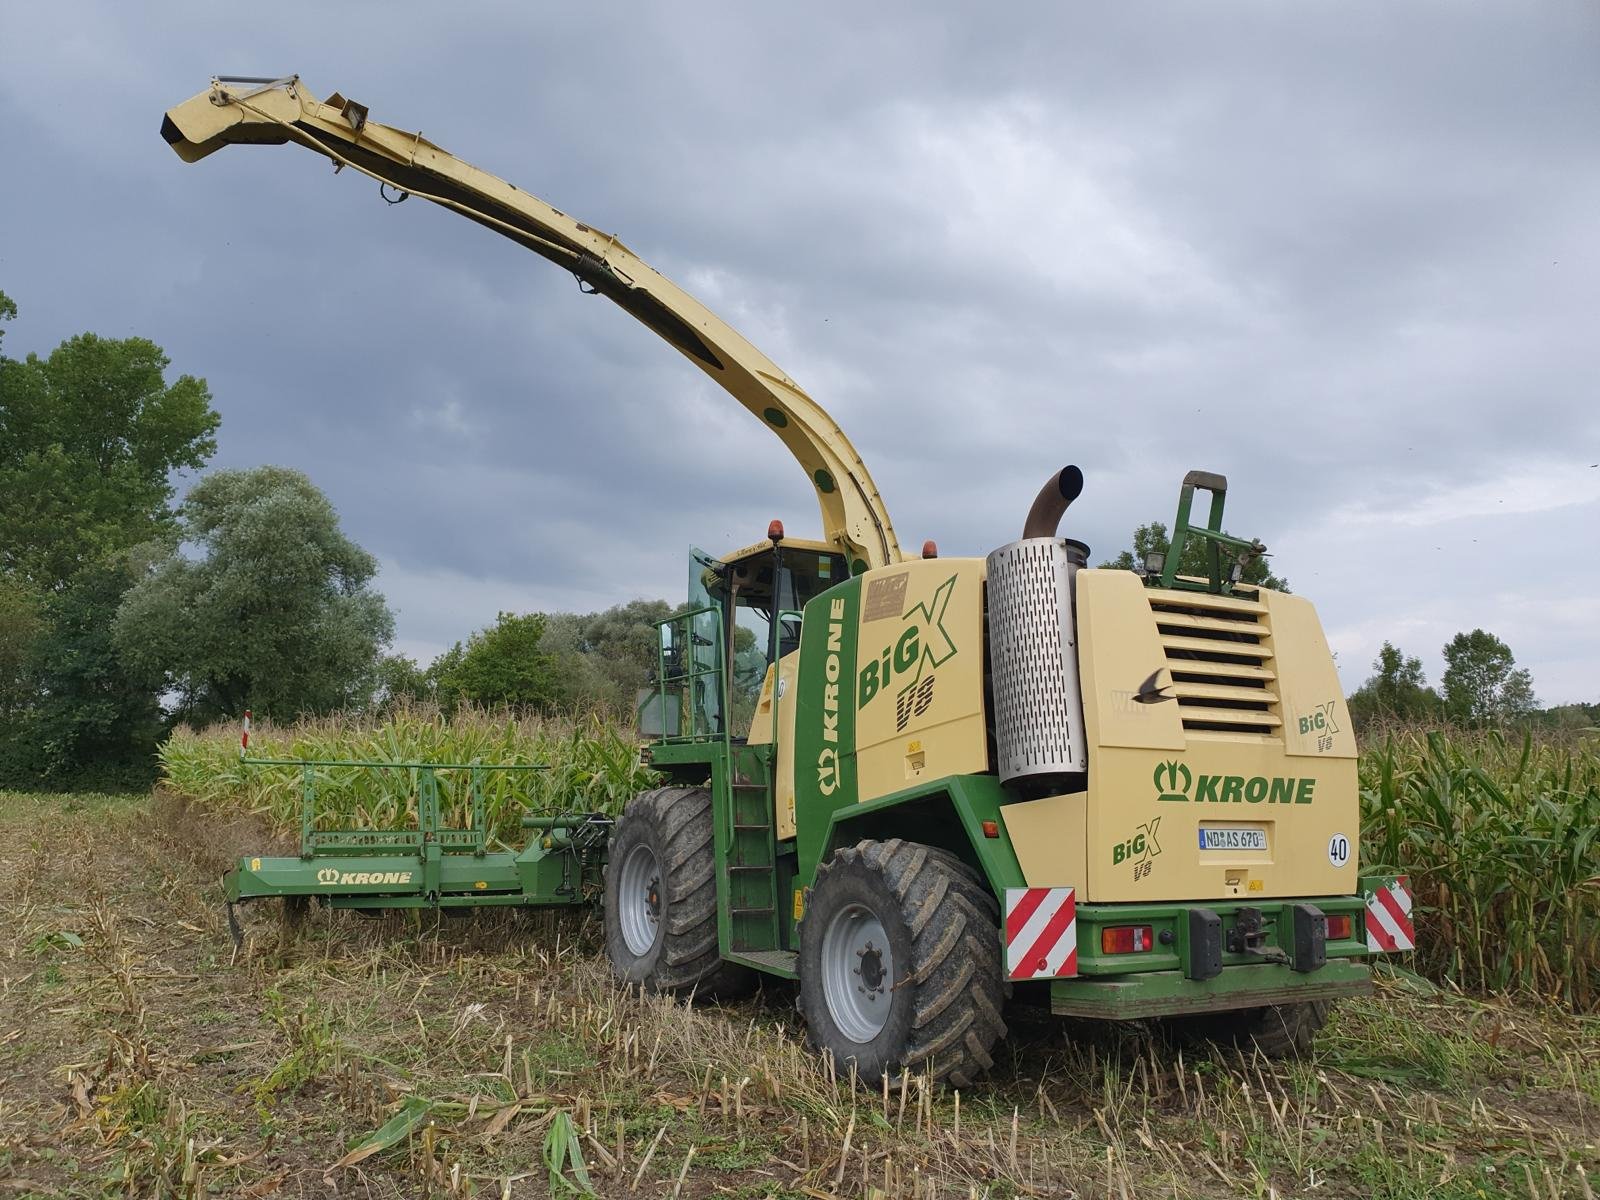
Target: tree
1482 683
89 439
603 659
8 312
582 684
622 643
94 716
399 679
22 624
1153 538
1396 690
276 615
503 664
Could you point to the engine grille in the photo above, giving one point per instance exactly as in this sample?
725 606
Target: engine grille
1033 661
1219 653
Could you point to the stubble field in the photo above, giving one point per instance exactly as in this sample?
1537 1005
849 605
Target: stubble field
141 1055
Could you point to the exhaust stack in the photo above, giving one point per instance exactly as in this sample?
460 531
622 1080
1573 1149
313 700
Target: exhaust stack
1050 505
1033 646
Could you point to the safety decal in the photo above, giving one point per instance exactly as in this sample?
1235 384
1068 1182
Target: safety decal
1389 926
1041 933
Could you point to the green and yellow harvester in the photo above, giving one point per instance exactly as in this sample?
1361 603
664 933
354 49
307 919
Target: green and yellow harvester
1120 794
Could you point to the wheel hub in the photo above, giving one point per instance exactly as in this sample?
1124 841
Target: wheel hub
639 900
857 972
871 968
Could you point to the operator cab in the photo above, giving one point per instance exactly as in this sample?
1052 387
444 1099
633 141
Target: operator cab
757 582
743 614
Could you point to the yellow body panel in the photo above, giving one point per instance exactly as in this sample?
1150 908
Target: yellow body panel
1117 650
1294 780
1047 835
919 685
1169 865
1315 719
761 735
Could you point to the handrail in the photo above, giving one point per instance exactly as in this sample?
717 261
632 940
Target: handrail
682 683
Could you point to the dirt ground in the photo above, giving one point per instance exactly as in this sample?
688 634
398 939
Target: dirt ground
142 1055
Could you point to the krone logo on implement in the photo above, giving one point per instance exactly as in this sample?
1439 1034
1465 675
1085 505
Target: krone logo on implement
828 757
329 876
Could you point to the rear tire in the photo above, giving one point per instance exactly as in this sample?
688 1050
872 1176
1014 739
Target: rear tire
1277 1030
661 897
900 963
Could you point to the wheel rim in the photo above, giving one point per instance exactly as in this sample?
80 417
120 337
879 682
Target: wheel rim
857 973
639 900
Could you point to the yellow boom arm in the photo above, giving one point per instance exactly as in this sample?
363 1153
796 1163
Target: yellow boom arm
272 112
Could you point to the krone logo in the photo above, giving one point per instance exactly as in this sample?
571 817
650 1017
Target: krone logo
828 771
1172 780
828 757
330 875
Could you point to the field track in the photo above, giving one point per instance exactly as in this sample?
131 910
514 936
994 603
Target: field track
140 1056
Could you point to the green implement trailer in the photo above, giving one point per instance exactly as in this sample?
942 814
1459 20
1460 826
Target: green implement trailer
430 864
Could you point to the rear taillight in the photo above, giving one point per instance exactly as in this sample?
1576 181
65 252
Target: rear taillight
1339 927
1127 939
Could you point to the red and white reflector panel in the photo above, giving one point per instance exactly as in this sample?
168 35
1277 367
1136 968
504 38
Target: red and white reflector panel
244 736
1389 926
1041 933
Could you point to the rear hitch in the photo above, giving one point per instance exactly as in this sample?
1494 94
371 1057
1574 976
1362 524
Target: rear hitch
1249 936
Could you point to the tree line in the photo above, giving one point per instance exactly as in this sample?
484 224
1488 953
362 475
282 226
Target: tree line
124 611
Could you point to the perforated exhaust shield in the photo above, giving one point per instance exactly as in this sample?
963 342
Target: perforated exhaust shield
1033 656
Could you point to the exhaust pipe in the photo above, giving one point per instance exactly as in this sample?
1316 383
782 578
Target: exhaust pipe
1051 503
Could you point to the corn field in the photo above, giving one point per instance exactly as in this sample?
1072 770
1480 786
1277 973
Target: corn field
593 766
1499 836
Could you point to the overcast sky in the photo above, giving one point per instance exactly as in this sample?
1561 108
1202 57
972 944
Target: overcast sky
1347 254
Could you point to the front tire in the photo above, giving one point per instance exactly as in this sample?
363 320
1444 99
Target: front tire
661 897
900 963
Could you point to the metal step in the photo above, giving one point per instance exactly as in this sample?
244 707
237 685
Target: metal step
764 910
765 868
740 827
781 961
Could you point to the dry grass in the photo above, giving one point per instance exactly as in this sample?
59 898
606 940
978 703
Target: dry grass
141 1057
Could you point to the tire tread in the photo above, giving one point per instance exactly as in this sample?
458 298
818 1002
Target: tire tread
956 968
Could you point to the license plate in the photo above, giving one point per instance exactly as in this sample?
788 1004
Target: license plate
1232 839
